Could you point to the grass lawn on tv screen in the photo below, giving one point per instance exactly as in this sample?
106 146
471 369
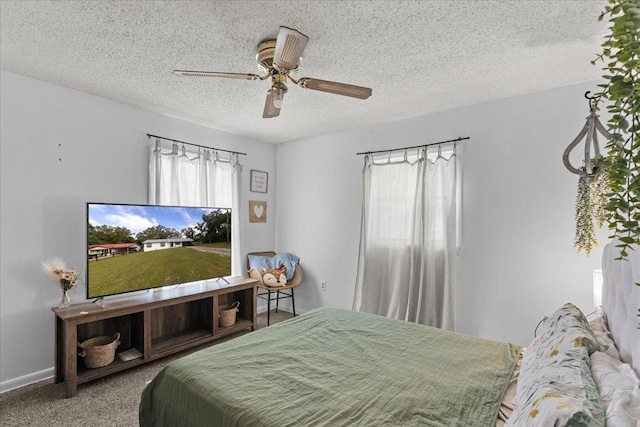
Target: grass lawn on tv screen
143 270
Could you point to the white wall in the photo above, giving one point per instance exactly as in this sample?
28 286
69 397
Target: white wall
518 262
61 148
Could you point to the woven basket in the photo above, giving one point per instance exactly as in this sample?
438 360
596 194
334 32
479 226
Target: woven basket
99 351
228 314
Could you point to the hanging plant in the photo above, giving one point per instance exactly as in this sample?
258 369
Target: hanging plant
585 232
598 197
590 206
621 54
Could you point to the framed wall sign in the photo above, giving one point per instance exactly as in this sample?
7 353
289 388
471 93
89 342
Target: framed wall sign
259 181
257 211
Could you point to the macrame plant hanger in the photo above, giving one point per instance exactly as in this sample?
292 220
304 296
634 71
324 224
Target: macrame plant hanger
590 200
590 130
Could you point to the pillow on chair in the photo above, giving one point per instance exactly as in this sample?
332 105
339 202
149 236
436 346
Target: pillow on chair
274 277
274 262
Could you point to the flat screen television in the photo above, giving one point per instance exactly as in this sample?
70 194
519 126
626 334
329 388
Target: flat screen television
136 247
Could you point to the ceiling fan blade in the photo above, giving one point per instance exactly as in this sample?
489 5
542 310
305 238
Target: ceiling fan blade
289 47
240 76
353 91
270 110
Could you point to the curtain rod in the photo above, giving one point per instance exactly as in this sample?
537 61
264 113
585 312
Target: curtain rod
415 146
195 145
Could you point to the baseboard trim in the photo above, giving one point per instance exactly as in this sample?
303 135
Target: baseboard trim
26 380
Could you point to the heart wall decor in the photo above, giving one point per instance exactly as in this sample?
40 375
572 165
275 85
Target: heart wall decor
257 211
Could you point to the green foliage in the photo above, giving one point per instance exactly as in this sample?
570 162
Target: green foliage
589 211
598 197
621 54
218 227
108 234
157 232
189 233
215 227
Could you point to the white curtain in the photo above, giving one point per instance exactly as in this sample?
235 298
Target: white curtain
408 236
181 176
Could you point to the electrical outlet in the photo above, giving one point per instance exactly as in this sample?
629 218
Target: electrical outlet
323 285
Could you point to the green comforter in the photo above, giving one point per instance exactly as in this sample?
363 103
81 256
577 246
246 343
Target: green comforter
335 368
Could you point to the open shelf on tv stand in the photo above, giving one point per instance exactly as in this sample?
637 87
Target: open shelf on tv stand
156 323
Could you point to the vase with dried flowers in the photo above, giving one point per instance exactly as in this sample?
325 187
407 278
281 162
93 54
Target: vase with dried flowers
66 278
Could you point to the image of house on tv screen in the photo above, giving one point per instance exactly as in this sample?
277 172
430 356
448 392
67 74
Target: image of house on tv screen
136 247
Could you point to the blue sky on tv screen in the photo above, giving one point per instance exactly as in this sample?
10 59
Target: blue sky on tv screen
138 218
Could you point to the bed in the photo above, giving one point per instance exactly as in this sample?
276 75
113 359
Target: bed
333 367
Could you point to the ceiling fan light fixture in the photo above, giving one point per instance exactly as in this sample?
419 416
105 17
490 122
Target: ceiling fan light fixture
278 89
278 98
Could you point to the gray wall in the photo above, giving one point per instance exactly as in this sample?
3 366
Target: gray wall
517 262
61 148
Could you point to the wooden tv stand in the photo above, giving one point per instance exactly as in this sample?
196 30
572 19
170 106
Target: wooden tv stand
157 323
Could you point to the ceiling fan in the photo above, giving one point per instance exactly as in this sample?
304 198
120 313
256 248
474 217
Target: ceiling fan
278 59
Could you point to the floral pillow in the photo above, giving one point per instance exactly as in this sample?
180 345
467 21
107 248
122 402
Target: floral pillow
563 394
569 322
565 330
555 380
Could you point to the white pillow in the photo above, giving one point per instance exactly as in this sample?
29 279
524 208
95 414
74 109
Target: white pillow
619 388
604 337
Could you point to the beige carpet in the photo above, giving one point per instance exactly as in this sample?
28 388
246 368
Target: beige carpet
110 401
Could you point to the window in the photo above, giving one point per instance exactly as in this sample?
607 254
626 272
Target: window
405 267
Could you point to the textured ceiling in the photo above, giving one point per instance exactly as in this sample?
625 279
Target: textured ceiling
419 57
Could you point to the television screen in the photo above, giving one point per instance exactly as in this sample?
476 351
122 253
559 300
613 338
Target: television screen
136 247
